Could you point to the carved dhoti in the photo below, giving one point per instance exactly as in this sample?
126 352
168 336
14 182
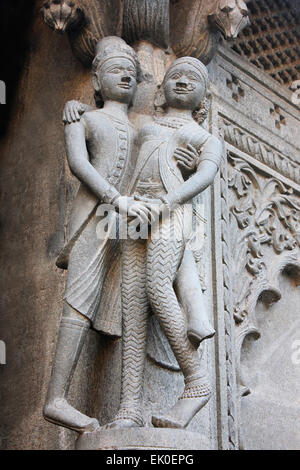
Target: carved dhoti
94 262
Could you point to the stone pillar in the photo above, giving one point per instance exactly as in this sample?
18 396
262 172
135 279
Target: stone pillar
256 235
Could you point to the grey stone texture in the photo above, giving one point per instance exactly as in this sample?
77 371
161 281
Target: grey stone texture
35 187
142 439
190 28
249 263
257 244
271 371
137 175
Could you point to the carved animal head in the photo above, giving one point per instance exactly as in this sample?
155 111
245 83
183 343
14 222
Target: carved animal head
230 17
62 15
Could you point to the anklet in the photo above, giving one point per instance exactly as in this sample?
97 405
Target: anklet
196 391
123 413
192 378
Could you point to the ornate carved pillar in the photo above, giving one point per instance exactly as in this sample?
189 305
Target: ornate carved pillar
247 224
256 232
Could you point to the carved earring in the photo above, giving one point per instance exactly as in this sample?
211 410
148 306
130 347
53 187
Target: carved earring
160 99
95 81
97 95
200 114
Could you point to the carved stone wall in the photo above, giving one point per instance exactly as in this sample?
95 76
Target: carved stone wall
251 249
271 42
271 374
35 189
257 238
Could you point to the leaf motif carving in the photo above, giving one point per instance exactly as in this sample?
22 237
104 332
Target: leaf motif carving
264 213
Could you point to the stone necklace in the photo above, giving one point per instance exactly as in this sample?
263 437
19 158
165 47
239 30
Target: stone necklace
173 122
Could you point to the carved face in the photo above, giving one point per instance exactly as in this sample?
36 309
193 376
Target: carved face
230 17
184 87
117 80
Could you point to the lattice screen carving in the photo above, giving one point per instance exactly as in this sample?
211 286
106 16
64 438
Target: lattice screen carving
272 42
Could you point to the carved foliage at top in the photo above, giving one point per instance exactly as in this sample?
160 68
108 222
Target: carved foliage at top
260 239
146 20
230 16
86 21
195 25
264 227
62 15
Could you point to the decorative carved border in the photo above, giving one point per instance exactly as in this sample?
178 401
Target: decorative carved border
228 311
237 137
288 254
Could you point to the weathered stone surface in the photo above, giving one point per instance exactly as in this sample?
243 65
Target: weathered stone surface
197 25
270 367
261 166
259 123
142 439
151 263
190 27
33 207
271 41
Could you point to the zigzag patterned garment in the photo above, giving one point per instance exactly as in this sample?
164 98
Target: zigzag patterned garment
149 270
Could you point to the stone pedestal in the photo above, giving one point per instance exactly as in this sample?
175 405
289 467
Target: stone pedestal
142 439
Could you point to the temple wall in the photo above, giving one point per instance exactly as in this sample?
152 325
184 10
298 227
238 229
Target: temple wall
34 192
256 235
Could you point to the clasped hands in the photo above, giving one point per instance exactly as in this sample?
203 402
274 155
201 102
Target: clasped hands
145 209
148 210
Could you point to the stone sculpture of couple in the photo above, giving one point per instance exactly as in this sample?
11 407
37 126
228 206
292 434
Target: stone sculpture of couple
166 163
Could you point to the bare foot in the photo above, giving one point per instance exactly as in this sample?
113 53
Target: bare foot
61 413
185 409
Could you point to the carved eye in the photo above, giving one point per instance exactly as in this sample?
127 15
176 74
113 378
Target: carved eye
192 77
176 76
227 5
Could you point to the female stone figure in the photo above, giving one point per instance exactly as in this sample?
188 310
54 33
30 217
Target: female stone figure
150 267
99 149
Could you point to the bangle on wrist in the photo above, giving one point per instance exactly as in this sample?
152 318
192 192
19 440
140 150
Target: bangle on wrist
111 195
165 200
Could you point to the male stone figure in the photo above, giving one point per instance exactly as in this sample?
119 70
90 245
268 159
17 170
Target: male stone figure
98 148
150 266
